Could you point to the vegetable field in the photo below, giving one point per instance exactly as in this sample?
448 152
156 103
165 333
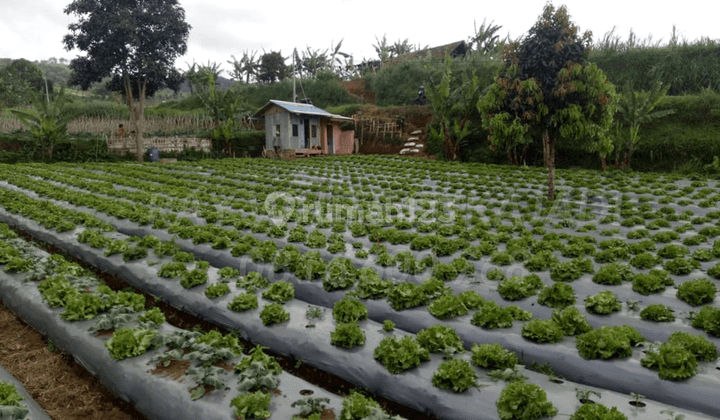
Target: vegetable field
456 290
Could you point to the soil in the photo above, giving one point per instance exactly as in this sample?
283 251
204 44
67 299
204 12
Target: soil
66 391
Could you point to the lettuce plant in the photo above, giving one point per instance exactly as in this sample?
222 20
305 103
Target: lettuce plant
673 361
603 303
613 274
347 335
516 287
493 356
440 339
281 291
406 295
194 278
654 282
252 405
447 306
243 302
559 295
10 402
358 407
400 354
597 412
681 266
340 274
456 375
522 401
608 342
128 342
542 331
697 292
571 321
707 319
349 310
274 313
492 315
657 313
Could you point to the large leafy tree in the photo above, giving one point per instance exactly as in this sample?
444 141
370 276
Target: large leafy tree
134 41
548 90
272 67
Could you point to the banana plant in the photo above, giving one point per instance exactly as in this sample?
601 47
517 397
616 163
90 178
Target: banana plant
47 121
635 108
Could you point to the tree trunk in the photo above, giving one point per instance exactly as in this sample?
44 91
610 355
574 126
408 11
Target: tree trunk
603 163
617 159
549 146
137 114
628 153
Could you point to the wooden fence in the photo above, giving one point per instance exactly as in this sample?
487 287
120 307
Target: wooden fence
164 144
377 128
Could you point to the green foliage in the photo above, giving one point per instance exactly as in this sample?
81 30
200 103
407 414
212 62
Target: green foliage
447 306
492 315
347 335
406 295
370 285
571 321
657 313
440 339
217 290
697 292
608 342
543 331
516 287
340 274
251 281
357 406
613 274
274 313
400 354
493 356
82 307
597 412
654 282
681 266
10 402
243 302
154 315
455 374
194 278
349 310
281 291
559 295
521 401
603 303
252 405
256 354
128 342
699 346
708 319
673 361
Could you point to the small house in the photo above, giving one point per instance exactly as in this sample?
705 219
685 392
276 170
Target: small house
304 129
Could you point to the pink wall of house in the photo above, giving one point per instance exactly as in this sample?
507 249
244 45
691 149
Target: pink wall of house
344 142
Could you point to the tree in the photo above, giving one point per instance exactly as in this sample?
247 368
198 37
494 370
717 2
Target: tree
29 72
634 109
485 38
196 74
272 67
246 67
453 105
134 41
13 91
548 90
47 121
222 106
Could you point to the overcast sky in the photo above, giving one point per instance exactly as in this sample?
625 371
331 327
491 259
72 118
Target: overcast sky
33 29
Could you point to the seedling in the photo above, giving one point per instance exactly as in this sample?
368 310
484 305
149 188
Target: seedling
632 305
583 395
636 400
672 414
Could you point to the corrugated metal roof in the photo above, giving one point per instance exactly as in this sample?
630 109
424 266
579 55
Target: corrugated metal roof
300 108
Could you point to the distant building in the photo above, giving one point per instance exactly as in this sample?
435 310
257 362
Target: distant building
305 129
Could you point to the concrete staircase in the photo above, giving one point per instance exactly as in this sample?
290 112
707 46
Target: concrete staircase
414 144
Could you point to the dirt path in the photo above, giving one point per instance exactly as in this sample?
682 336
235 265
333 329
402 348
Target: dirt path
63 388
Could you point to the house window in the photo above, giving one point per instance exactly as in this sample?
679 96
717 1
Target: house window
295 130
314 131
277 130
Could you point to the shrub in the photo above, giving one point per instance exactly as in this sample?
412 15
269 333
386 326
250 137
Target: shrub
493 356
697 292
